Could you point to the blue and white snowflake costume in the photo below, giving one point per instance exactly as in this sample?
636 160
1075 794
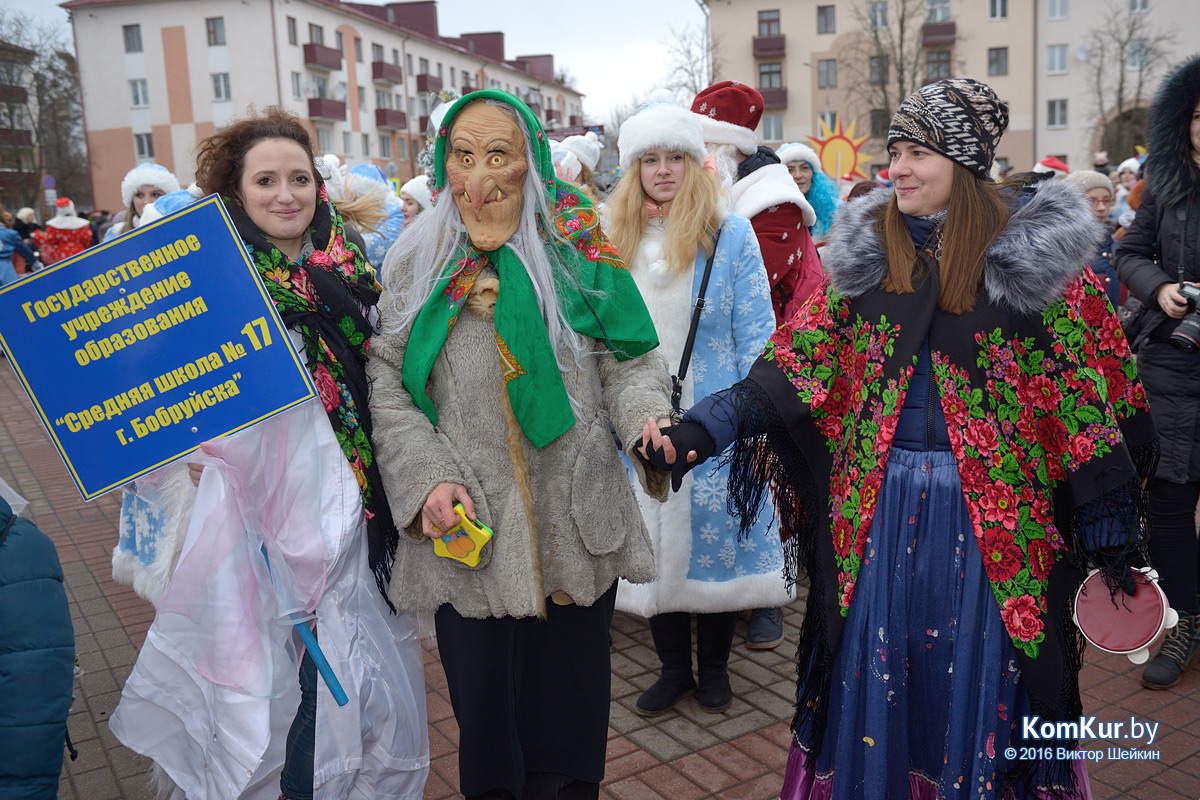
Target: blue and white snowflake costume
702 567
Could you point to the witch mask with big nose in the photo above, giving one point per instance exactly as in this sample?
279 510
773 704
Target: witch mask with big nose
485 170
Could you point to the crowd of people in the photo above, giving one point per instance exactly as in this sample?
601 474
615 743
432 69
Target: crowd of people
676 399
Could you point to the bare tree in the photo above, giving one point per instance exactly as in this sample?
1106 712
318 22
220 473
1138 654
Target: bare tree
563 77
1124 53
692 61
49 109
886 63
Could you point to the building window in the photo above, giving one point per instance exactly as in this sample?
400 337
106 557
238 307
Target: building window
826 19
937 65
293 37
376 52
408 63
321 85
997 61
880 121
316 34
1138 6
423 66
358 50
939 10
1056 59
830 119
1139 54
770 76
772 127
453 79
879 69
346 137
399 105
1056 9
826 73
139 92
133 38
324 140
768 23
439 72
143 145
1056 113
402 149
362 98
997 9
395 56
220 87
385 146
339 42
877 15
366 139
382 99
215 26
297 91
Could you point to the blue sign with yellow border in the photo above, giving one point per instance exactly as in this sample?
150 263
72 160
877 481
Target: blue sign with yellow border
138 350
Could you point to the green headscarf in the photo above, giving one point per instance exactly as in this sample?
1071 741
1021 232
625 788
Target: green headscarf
603 302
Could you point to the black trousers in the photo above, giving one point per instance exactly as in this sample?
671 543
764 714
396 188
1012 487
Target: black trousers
1173 549
530 696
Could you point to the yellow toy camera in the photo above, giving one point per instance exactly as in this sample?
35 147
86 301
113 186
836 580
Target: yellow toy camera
465 541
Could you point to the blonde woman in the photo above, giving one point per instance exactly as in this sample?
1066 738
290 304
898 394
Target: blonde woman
664 218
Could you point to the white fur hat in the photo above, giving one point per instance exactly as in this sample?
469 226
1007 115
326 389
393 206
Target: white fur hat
795 151
662 123
1131 164
147 174
418 189
329 168
566 165
586 148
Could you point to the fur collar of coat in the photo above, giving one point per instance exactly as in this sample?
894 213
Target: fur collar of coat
1035 257
1172 173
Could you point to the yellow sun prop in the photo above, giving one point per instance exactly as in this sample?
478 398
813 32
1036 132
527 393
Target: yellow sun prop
840 152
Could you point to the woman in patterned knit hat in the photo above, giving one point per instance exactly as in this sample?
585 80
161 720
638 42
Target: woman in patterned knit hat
947 463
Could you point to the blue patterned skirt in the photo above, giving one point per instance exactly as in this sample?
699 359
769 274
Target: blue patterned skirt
925 693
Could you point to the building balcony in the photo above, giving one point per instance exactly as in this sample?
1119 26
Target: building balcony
939 33
13 94
468 89
774 98
554 116
536 108
429 83
769 46
422 124
326 108
391 118
575 121
318 56
20 137
383 72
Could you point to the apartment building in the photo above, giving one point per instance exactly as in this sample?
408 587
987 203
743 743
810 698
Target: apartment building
17 170
159 75
845 60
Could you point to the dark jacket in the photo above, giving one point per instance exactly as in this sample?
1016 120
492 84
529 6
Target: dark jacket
1163 245
37 658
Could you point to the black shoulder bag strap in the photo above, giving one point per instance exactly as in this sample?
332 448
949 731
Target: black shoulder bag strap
678 378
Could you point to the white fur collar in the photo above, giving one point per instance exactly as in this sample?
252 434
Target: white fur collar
1031 263
768 186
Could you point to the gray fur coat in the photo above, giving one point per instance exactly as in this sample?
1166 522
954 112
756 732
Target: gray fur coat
574 529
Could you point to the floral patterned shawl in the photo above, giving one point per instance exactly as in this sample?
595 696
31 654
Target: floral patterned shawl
326 298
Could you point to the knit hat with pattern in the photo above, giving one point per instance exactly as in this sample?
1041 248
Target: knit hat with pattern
960 118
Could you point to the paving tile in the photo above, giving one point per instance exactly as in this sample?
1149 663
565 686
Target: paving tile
670 782
1125 775
98 682
1177 747
618 746
704 773
624 719
763 788
99 784
762 750
633 789
438 789
769 703
734 761
740 725
138 787
658 744
437 707
688 733
629 764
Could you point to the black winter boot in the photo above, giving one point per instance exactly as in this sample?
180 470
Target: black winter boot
673 640
1179 650
714 638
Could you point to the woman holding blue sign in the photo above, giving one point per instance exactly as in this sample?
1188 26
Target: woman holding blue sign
290 523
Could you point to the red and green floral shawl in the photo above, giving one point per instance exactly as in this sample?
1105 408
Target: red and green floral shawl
1046 417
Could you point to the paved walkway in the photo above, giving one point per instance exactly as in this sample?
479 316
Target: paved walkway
683 755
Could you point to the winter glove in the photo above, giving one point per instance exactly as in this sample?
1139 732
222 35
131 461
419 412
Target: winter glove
686 436
1114 562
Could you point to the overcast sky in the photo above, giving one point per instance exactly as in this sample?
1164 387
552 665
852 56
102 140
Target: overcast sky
613 48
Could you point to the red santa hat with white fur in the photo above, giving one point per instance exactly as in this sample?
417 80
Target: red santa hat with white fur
729 114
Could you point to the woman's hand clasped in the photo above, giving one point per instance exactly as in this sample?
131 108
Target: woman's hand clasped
662 442
437 515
